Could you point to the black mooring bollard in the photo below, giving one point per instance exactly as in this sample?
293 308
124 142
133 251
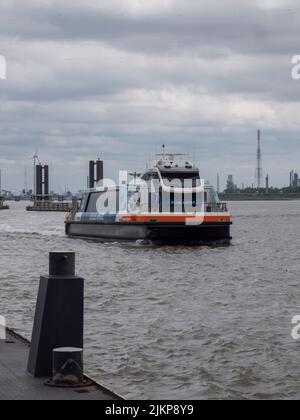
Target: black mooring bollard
59 314
67 367
62 264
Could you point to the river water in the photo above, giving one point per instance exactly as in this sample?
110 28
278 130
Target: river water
174 322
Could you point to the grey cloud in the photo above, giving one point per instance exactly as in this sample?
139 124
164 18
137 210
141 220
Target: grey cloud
121 80
195 26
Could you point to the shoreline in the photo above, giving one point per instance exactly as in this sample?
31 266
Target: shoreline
227 198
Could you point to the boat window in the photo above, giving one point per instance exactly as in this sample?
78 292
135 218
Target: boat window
111 204
92 206
83 203
182 176
150 176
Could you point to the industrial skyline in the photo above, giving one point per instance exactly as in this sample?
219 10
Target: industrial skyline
260 181
88 180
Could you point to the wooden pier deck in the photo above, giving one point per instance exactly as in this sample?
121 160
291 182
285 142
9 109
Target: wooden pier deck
17 384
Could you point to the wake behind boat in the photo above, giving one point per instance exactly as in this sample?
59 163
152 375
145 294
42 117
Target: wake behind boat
168 203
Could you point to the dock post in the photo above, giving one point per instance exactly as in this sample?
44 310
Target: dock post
67 368
59 313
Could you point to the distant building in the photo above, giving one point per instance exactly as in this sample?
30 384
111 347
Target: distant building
267 184
230 184
291 178
294 180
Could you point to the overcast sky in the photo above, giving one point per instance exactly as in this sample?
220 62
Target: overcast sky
118 78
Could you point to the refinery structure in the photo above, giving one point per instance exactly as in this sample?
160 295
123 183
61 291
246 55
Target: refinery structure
261 183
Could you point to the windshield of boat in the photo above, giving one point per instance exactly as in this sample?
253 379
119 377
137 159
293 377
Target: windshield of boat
181 177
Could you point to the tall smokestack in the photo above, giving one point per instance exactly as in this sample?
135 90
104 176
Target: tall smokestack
46 180
259 171
39 180
94 179
99 170
91 174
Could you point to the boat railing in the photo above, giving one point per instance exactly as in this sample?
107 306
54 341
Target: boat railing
216 207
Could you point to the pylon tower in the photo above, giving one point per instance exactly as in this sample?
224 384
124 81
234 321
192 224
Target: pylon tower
259 170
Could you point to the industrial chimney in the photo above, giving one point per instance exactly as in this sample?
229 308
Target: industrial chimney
95 178
259 171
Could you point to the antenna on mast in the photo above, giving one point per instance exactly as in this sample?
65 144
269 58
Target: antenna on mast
259 171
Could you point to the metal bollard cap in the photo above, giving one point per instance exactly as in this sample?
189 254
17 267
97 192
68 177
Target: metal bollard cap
62 264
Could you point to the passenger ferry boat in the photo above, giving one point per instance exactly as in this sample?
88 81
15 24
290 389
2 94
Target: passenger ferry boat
167 203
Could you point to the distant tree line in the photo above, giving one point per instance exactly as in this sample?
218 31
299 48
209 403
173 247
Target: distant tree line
262 191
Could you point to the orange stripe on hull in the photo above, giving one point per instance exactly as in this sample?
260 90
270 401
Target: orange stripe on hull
176 219
217 219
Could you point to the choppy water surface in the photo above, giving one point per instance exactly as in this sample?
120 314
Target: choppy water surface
174 322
